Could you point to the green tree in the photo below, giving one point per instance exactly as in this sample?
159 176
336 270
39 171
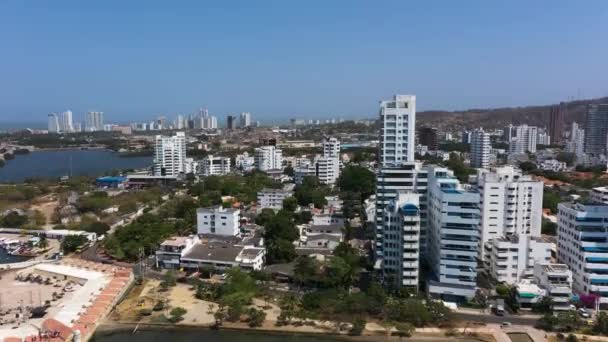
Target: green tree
548 322
264 216
601 323
256 317
307 270
548 227
290 204
71 243
545 305
358 326
357 179
551 200
405 329
169 279
288 171
99 228
177 314
527 166
14 220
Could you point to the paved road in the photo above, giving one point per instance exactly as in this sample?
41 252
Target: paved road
490 318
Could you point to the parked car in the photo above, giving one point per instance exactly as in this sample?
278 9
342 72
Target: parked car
583 313
505 324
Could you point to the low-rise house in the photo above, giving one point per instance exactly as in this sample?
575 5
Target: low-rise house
327 219
218 253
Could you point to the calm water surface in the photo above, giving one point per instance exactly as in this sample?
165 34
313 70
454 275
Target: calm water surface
55 164
6 258
205 335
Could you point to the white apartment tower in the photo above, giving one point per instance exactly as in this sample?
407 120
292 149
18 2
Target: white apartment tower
53 125
331 147
511 204
65 122
453 236
245 119
398 125
582 244
576 144
94 122
401 253
268 158
170 154
480 148
525 139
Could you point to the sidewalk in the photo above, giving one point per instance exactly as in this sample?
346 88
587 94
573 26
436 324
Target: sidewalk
488 312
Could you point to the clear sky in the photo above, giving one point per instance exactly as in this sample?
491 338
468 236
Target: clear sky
136 60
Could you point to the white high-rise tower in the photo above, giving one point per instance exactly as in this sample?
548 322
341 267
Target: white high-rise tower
65 122
170 155
398 125
480 148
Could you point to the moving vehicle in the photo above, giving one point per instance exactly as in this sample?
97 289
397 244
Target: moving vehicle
505 324
500 307
583 313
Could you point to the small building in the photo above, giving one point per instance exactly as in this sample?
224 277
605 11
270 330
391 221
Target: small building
600 195
328 219
272 198
218 221
512 258
556 280
215 165
111 182
553 165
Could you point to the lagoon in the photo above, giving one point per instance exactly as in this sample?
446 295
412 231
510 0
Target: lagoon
53 164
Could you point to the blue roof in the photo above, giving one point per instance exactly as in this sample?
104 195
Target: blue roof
409 209
109 179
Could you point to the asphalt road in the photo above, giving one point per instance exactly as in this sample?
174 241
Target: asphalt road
491 318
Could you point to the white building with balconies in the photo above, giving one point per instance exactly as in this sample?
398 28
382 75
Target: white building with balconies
582 244
600 195
453 236
556 280
512 258
401 252
215 165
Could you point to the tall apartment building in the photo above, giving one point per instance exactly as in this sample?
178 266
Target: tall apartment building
398 127
557 116
94 122
245 119
576 144
66 124
453 236
582 244
401 250
596 129
180 122
53 123
398 173
427 136
511 204
218 221
244 162
268 158
480 148
331 147
215 165
230 122
525 139
170 154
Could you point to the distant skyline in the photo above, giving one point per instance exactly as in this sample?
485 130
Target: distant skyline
136 60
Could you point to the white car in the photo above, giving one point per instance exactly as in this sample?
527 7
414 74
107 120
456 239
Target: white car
583 313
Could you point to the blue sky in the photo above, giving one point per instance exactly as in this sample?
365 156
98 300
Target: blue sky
136 60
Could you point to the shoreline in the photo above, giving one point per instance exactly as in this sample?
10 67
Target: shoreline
107 328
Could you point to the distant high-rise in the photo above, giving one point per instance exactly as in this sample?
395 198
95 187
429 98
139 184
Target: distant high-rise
268 158
245 119
556 122
577 141
397 136
230 122
170 154
53 125
65 122
427 136
480 148
180 123
596 129
525 139
94 121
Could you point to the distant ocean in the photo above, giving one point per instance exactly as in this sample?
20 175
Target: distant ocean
16 126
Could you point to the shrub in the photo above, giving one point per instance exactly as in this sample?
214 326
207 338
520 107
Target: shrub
358 327
256 317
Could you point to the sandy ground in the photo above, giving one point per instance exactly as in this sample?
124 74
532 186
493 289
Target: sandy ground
199 311
47 208
14 293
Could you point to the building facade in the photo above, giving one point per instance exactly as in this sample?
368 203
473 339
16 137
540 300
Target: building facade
596 129
525 139
53 123
427 136
94 122
170 154
480 148
557 115
218 221
331 147
215 165
272 198
453 236
245 120
398 127
582 244
268 158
